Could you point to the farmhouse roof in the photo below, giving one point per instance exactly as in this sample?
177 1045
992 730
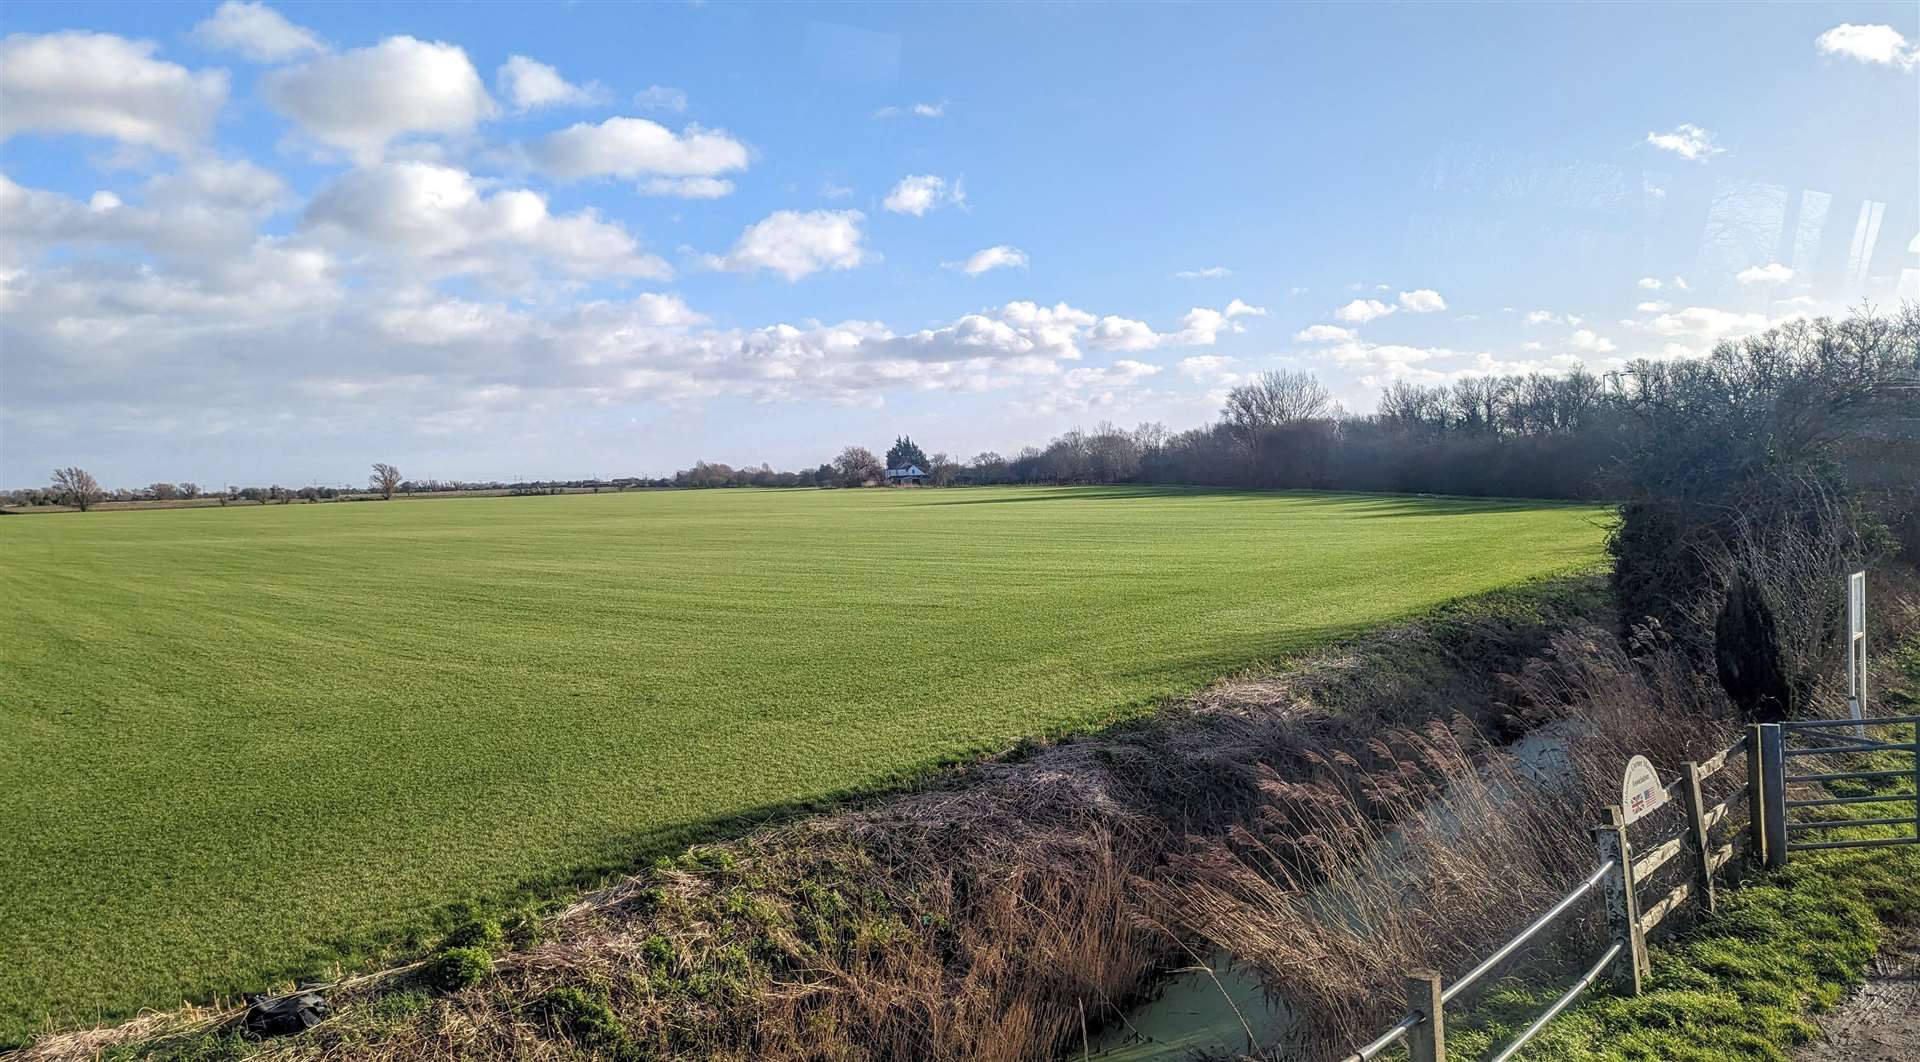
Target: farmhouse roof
901 473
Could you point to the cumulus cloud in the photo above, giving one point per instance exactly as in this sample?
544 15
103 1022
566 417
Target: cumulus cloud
661 98
1771 273
361 100
1360 311
1688 141
919 193
1654 306
1209 273
1587 340
1707 322
1651 283
1323 333
256 31
98 84
632 147
687 187
439 219
1425 300
1540 317
1881 45
796 244
529 84
999 256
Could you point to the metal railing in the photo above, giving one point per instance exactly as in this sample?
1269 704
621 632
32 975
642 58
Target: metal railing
1837 738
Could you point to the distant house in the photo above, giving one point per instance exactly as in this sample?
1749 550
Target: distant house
910 476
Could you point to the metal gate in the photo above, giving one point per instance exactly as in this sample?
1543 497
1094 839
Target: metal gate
1798 756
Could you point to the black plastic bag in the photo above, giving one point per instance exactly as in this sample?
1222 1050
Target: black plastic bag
285 1015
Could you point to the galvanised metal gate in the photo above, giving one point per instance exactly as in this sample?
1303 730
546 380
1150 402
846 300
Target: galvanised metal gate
1798 755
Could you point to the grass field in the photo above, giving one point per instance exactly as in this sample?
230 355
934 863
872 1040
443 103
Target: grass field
235 740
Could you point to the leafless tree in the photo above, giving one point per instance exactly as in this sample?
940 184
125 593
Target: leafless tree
856 466
1276 398
385 479
189 490
77 487
163 491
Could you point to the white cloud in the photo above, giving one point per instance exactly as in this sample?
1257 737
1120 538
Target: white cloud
1360 311
661 98
1425 300
98 84
1587 340
359 101
1771 273
796 244
1655 306
919 193
1708 322
416 215
1209 273
1207 366
256 31
529 84
1540 317
1237 308
1680 283
1123 333
830 190
999 256
631 147
917 110
1879 44
1688 141
687 187
1651 283
1323 333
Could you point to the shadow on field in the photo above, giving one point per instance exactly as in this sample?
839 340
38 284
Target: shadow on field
1376 506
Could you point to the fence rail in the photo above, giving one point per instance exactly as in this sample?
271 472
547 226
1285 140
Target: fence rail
1423 1027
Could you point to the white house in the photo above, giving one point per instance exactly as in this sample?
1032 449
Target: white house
910 476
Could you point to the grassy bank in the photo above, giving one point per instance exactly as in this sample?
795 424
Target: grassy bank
1741 984
242 743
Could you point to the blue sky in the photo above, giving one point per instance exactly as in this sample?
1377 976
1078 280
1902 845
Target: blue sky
272 243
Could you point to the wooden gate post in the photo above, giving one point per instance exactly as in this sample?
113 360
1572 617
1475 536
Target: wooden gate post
1427 1040
1623 906
1773 770
1756 800
1697 817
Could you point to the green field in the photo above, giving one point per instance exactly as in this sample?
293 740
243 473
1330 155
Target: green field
231 739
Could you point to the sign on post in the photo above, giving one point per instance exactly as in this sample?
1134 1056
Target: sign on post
1640 791
1857 648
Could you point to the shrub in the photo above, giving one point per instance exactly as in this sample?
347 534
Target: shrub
457 968
482 933
584 1019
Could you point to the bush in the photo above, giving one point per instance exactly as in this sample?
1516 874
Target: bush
482 933
457 968
584 1019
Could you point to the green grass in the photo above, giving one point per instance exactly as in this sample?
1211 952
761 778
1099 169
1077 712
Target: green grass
1740 985
239 743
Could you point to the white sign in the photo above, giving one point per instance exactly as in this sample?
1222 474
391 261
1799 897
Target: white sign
1857 648
1641 791
1857 604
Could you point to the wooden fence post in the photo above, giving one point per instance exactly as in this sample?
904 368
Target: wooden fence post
1623 906
1427 1040
1756 799
1697 817
1773 770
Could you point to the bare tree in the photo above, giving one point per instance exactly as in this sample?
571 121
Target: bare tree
164 491
1276 398
77 487
189 489
385 479
856 466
